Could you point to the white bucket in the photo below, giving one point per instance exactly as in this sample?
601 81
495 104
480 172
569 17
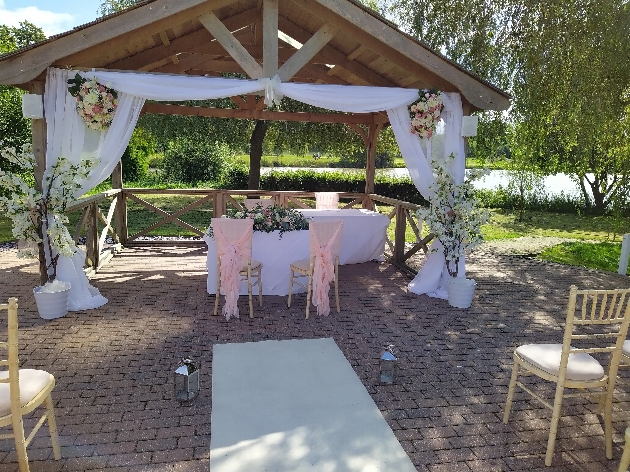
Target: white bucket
461 291
51 305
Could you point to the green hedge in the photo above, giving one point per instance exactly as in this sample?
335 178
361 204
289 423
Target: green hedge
311 181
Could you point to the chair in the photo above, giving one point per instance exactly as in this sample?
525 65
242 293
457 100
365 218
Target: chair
250 203
325 245
596 322
233 242
326 200
23 390
625 458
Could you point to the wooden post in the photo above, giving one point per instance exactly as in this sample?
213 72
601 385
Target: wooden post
120 217
38 132
399 234
370 169
91 244
270 38
625 252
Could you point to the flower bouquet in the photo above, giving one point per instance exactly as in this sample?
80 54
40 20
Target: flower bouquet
34 213
454 215
273 218
425 113
96 103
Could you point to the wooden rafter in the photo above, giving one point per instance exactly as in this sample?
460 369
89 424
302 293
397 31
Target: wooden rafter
334 56
270 37
231 45
307 52
257 114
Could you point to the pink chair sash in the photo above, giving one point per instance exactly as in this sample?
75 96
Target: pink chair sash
323 274
231 259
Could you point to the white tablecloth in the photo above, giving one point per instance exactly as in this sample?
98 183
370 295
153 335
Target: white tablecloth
363 240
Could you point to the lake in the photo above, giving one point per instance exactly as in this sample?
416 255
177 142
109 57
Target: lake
554 184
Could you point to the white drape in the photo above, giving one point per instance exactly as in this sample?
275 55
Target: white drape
68 136
434 275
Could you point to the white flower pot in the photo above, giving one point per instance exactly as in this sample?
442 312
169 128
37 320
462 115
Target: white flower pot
460 291
51 305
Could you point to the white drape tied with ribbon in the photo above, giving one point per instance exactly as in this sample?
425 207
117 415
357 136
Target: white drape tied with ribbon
231 258
323 272
272 90
69 137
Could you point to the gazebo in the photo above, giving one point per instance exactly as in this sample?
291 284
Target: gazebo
283 45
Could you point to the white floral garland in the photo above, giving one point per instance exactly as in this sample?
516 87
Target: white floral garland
425 113
96 103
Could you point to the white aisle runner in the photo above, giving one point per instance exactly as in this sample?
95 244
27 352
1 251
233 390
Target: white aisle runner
293 406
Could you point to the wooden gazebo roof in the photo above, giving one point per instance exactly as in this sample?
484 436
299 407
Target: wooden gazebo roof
342 41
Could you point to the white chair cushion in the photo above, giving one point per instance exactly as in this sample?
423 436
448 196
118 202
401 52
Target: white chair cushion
31 383
302 264
626 348
581 366
255 265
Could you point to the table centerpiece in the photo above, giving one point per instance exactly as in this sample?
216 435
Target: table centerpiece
273 218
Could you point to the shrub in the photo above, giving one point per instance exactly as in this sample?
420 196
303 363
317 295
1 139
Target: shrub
191 161
135 159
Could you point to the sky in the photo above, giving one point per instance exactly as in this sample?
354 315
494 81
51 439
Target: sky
53 16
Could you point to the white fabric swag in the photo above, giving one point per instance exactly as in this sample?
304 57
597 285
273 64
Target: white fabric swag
68 136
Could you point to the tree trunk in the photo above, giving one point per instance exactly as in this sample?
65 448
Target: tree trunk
255 153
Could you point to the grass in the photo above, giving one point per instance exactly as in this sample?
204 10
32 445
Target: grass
603 256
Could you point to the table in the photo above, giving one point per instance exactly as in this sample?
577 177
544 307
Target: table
363 239
296 405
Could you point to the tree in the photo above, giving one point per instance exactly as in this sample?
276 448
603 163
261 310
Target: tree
14 128
568 67
112 6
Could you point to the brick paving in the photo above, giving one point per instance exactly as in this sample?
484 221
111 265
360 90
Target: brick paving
114 395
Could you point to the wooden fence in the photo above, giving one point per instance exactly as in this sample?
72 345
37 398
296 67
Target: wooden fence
107 214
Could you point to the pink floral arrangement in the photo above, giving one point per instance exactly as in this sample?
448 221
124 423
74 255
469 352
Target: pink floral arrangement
96 103
425 113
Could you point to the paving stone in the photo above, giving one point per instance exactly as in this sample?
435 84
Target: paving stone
114 365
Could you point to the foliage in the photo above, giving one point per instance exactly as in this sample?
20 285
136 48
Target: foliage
603 256
34 213
273 218
453 215
135 159
96 103
189 161
358 160
567 64
15 130
112 6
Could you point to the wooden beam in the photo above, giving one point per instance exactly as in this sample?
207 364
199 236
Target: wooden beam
190 42
334 56
254 114
270 38
231 45
404 51
354 54
24 67
307 52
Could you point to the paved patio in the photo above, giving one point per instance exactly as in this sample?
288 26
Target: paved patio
114 395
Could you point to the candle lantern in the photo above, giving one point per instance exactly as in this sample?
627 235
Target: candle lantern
388 365
186 380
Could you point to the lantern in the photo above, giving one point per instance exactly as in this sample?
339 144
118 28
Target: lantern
388 365
186 380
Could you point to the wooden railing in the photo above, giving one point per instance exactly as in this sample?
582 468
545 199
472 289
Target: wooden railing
216 203
96 227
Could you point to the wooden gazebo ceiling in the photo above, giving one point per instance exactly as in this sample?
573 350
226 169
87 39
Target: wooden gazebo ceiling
343 43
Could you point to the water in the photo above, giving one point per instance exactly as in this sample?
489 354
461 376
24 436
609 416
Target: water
553 184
